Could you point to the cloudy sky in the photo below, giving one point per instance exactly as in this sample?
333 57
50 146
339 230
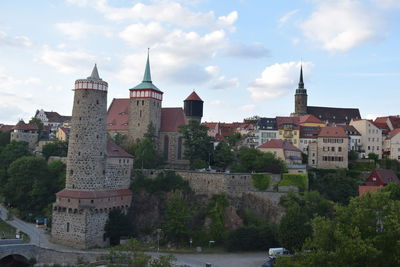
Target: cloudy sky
241 56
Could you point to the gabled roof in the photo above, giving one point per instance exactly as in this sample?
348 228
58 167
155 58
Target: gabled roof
193 97
280 121
21 125
6 128
332 131
349 129
171 119
118 115
114 151
53 116
386 176
309 118
282 144
394 133
65 130
334 115
210 125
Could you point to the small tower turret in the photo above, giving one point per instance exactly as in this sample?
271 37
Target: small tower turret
145 107
300 98
193 107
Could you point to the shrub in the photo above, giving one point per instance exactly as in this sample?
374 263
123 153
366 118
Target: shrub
299 180
261 181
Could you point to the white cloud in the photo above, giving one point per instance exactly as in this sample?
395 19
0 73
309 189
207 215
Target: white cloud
165 11
339 25
216 102
15 41
80 29
277 80
143 35
285 18
223 83
248 107
68 61
387 3
212 70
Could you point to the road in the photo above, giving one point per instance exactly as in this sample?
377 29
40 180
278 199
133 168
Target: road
40 238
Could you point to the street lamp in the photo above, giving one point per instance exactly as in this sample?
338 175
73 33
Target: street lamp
158 239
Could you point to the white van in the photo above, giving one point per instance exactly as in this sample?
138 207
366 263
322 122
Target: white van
277 251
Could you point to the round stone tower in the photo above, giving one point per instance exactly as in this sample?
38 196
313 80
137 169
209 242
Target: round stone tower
145 107
193 107
88 139
81 209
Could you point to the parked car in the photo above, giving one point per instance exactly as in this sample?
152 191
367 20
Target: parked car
277 251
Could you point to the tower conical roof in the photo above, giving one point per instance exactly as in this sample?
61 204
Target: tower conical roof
147 83
301 83
193 97
95 74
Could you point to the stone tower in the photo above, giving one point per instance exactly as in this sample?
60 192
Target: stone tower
193 107
145 107
300 98
81 209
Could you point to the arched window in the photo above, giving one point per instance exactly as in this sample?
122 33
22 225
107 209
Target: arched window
166 146
179 154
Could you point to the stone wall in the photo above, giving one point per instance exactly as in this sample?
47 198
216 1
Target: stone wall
30 138
118 173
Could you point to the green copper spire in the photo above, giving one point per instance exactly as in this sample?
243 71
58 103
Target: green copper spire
147 75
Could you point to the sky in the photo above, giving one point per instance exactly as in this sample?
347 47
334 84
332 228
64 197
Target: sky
242 57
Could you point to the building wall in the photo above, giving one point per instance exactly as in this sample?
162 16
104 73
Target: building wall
394 147
303 144
118 173
291 135
171 146
332 152
371 136
313 154
263 136
30 138
278 152
142 112
300 104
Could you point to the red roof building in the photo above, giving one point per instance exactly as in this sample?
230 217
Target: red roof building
282 149
377 179
6 128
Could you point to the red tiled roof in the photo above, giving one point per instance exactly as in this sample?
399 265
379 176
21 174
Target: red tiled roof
115 151
210 125
277 143
21 125
194 97
93 194
387 176
6 128
118 114
349 129
309 119
331 131
280 121
171 119
394 132
381 119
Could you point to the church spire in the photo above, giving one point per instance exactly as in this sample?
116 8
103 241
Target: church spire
95 74
301 83
147 75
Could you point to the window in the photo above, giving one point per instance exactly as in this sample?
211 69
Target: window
333 149
142 102
67 226
339 149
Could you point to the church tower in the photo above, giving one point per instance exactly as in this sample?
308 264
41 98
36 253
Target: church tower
81 209
193 107
300 98
145 107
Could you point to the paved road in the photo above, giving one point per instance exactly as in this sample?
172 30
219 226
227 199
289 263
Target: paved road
39 238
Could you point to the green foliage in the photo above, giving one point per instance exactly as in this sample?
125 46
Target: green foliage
118 139
301 208
166 181
117 225
6 231
299 180
373 156
199 164
335 185
362 165
253 160
146 155
391 164
353 155
162 261
38 123
251 238
233 139
56 148
197 143
216 211
223 155
178 216
13 151
261 181
4 139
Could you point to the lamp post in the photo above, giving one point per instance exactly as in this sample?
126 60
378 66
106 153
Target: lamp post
158 239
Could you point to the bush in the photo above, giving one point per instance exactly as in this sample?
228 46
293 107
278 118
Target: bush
299 180
166 181
252 238
362 165
261 181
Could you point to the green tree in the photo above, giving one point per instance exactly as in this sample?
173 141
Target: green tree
57 170
373 156
223 155
56 148
178 217
254 160
28 185
233 139
118 139
4 139
13 151
38 123
146 155
118 225
216 211
197 143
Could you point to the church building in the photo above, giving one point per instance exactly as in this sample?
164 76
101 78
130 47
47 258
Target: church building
132 116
